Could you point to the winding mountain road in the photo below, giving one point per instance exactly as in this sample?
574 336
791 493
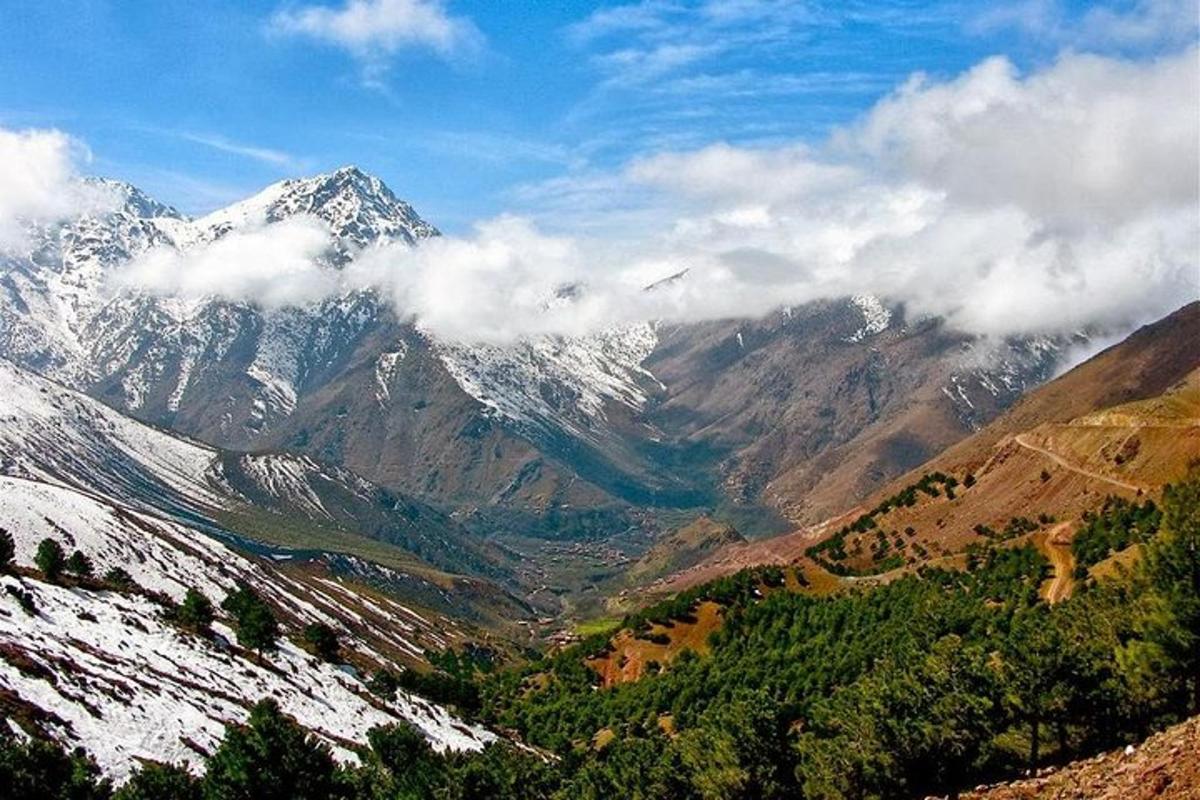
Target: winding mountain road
1057 547
1062 462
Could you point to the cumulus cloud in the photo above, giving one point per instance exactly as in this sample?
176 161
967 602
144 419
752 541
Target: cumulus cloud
40 180
1004 202
274 266
373 28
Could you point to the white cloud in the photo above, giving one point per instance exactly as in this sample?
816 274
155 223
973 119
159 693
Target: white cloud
371 28
1090 140
274 266
1141 25
1006 203
39 176
266 155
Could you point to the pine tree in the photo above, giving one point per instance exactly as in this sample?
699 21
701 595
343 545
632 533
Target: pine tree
8 550
79 564
1171 624
270 758
257 628
322 640
50 559
195 613
119 578
161 782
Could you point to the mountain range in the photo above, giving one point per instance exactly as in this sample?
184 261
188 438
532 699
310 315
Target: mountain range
423 495
774 421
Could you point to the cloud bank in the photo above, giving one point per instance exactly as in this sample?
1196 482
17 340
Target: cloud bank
1007 203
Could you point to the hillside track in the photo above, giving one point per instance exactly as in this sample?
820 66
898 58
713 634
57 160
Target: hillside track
1062 462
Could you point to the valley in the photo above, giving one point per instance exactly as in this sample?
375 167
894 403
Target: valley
599 514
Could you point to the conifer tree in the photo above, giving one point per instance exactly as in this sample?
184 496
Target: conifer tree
8 550
50 559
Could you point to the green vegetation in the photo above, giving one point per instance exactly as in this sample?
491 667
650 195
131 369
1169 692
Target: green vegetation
195 613
272 758
1016 526
935 681
50 559
119 579
1118 525
322 641
79 565
598 627
34 768
8 551
831 553
453 684
257 628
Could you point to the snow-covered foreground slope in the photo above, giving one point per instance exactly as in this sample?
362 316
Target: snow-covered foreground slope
103 670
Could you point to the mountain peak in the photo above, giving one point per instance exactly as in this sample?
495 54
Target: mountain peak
132 199
359 208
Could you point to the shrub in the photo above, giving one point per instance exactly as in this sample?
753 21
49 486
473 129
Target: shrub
119 579
195 613
270 757
79 564
8 550
161 782
24 598
322 641
257 628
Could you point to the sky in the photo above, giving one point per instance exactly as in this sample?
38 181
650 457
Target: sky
1015 167
201 103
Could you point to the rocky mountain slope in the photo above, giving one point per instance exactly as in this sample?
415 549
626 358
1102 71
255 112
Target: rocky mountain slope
1167 765
289 507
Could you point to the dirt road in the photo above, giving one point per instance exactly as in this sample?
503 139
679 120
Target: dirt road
1062 462
1056 544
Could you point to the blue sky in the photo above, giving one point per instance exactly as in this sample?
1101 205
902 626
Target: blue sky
476 107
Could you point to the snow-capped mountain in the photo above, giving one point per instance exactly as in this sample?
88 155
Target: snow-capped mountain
54 435
574 424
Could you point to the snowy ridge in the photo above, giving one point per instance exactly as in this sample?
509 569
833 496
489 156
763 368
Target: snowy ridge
59 436
52 434
286 476
1003 370
556 381
60 316
168 356
876 316
114 678
385 370
358 207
